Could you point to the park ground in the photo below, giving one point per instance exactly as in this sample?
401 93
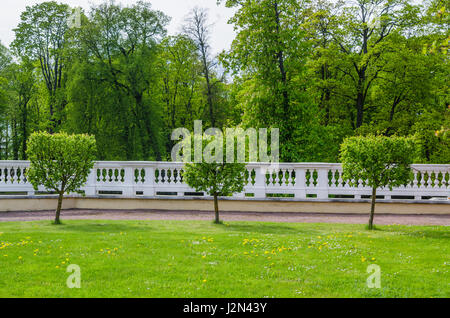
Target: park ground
382 219
195 258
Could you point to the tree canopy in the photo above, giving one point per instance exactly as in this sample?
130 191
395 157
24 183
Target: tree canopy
319 70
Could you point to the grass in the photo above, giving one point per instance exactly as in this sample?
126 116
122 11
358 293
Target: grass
238 259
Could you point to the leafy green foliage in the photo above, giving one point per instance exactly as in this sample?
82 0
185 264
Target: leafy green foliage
382 161
433 139
42 36
379 161
347 68
60 162
270 56
216 179
214 175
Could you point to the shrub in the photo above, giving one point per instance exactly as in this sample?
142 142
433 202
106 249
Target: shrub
213 175
60 163
381 161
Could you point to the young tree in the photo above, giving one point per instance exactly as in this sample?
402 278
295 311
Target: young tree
60 162
216 179
379 161
212 174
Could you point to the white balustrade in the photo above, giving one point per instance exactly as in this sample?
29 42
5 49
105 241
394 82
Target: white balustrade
301 181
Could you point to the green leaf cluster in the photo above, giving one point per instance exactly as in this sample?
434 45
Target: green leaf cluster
60 162
378 160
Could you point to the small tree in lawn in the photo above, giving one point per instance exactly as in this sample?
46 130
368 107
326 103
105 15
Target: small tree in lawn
216 179
60 163
380 161
211 173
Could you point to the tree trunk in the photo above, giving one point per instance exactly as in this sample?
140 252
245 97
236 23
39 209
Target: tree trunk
216 209
372 210
15 140
58 209
24 131
359 109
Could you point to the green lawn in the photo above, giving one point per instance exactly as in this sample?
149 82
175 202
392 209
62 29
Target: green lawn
238 259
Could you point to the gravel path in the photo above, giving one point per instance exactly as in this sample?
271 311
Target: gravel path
382 219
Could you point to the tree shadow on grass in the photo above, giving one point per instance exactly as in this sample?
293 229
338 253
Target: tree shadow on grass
420 233
269 229
437 234
105 227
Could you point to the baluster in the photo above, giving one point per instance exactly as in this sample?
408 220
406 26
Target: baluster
283 178
11 172
416 180
429 180
290 180
340 180
169 175
276 177
436 180
332 178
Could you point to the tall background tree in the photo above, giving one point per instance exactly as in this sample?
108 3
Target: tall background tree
119 48
41 35
199 30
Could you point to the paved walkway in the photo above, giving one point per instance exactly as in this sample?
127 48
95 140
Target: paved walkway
382 219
